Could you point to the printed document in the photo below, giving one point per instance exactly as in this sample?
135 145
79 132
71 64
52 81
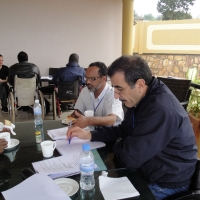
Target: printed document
59 166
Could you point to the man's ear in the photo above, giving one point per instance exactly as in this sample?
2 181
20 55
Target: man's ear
104 78
140 82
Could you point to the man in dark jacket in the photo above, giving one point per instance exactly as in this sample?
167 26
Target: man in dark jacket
71 72
23 69
156 136
3 85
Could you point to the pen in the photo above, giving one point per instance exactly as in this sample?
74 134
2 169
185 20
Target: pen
70 125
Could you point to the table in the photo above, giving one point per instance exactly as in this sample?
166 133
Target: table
28 152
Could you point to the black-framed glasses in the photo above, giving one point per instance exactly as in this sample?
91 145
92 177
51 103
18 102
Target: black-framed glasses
91 78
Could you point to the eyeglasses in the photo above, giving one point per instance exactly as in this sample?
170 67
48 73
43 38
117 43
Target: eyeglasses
119 90
91 78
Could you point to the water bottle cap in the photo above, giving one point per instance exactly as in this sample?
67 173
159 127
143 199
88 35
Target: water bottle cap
85 147
36 101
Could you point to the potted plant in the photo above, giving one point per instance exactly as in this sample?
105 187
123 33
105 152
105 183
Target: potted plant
194 115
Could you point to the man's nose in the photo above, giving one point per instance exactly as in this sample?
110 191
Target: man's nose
116 95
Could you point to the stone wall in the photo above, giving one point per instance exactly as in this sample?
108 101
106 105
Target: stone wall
172 65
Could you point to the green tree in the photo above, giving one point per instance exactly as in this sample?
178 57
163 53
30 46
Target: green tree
149 17
136 16
174 9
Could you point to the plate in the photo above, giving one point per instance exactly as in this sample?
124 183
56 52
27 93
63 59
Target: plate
13 143
65 121
68 185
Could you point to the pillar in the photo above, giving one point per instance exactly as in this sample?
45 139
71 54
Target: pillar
127 27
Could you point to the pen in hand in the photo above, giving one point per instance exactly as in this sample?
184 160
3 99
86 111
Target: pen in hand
70 125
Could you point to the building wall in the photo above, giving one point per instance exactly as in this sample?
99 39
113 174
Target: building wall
170 47
172 64
49 31
170 37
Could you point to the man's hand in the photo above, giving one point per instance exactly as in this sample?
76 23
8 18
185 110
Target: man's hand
78 132
1 81
3 145
81 121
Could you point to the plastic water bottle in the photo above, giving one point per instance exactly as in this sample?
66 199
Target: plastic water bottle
38 118
86 162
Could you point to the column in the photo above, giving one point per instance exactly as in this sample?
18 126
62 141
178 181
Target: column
127 27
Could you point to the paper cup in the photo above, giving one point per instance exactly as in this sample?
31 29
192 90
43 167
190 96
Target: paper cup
6 136
1 126
48 147
89 113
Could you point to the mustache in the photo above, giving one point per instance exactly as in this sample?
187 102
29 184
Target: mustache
88 85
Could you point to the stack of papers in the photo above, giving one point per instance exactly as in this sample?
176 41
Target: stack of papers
64 148
38 187
58 134
62 166
121 188
67 164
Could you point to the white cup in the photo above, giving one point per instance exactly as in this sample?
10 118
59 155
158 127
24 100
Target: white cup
48 147
89 113
6 136
1 126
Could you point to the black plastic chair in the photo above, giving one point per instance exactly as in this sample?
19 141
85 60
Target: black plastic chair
67 94
179 87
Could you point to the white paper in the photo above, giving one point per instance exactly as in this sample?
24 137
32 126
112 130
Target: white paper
116 188
59 165
61 133
58 134
64 148
47 77
38 187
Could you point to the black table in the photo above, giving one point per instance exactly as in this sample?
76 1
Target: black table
28 152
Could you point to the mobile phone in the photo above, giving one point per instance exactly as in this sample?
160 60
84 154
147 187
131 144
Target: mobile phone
26 173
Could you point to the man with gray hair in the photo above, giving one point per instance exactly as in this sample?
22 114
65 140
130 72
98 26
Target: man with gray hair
156 136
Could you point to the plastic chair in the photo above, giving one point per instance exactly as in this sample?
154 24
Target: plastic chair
179 87
24 93
67 93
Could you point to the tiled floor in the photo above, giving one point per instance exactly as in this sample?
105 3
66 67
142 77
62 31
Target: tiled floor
27 116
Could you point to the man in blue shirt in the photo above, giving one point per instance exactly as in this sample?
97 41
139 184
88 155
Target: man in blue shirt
71 72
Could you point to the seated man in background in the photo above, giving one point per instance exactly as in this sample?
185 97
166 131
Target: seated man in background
23 69
71 72
99 97
156 136
3 85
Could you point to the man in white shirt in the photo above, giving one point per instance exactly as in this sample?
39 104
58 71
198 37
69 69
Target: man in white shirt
99 97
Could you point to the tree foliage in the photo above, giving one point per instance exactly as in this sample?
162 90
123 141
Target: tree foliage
175 9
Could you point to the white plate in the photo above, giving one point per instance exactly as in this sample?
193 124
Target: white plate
68 185
65 121
13 143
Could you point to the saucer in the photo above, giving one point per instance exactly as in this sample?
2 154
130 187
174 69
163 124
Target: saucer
13 143
65 121
68 185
